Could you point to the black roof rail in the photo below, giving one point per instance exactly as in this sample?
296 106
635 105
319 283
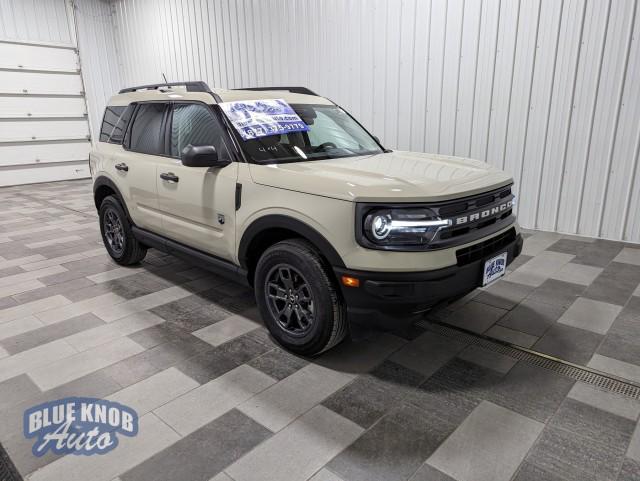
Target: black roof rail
198 86
293 90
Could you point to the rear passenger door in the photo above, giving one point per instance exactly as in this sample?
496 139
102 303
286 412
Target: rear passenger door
198 203
136 165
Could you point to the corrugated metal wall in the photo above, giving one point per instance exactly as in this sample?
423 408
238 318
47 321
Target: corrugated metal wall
99 56
547 89
36 21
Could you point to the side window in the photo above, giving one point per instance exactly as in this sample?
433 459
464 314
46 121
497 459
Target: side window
195 124
146 134
114 123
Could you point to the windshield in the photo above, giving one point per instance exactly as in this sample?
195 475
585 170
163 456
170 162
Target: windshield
332 134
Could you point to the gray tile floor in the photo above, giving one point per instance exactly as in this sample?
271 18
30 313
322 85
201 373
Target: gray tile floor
219 400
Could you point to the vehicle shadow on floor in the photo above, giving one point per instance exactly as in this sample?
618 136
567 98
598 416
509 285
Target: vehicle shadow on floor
415 364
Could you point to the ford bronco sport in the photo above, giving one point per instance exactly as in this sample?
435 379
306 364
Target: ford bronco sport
332 230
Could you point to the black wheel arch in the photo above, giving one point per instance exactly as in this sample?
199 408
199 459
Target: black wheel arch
103 187
268 230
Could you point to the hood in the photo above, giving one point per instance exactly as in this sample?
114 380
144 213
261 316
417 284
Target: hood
397 176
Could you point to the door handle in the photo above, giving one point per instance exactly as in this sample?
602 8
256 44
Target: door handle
169 177
122 166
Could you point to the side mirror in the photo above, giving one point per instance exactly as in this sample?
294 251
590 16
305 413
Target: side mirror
202 156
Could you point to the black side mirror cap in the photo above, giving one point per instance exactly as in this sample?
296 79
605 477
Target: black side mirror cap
202 156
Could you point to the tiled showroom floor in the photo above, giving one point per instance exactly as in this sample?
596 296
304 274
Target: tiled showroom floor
218 399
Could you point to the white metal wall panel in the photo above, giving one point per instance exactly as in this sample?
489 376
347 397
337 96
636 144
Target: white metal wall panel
485 77
619 212
547 89
536 131
25 106
24 56
544 206
597 165
43 124
43 152
36 21
46 173
99 57
40 83
467 80
36 129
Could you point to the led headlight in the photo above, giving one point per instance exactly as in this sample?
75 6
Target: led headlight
402 226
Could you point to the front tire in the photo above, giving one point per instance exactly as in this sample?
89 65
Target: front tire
117 235
297 298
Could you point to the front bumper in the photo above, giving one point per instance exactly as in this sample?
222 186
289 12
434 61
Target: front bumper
393 300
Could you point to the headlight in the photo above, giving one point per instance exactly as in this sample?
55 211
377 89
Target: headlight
399 227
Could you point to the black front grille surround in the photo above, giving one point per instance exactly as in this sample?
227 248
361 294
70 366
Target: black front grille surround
481 250
472 218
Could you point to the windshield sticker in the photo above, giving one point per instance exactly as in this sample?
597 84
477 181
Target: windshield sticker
78 425
258 118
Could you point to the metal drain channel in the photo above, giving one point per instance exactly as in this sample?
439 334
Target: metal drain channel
565 368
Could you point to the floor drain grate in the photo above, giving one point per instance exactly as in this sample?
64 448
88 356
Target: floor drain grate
8 471
565 368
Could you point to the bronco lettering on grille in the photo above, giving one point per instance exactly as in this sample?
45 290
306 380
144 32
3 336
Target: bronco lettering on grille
483 214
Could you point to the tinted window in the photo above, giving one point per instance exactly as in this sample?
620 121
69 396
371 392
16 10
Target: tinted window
146 131
196 125
114 123
332 134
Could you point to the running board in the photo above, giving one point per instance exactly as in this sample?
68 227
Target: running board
197 257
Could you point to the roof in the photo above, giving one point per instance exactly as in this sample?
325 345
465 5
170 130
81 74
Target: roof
199 91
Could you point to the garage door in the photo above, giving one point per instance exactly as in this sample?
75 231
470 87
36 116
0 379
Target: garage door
44 132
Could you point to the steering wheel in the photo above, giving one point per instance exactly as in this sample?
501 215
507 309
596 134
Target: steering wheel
324 146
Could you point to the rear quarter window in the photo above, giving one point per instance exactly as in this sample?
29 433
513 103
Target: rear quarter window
114 123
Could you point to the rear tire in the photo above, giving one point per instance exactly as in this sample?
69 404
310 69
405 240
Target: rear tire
297 298
117 235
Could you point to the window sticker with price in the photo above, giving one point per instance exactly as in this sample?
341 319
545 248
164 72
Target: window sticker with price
259 118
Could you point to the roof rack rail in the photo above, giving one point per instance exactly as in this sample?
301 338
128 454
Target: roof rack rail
293 90
198 86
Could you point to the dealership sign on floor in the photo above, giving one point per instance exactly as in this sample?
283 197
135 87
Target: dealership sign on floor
78 425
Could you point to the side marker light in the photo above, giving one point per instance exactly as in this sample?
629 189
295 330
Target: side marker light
350 281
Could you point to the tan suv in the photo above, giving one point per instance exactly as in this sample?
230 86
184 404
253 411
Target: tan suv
333 231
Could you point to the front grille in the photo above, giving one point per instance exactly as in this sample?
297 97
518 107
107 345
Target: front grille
474 217
483 249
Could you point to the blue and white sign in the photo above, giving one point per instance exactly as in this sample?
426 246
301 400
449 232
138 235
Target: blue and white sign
494 268
259 118
78 425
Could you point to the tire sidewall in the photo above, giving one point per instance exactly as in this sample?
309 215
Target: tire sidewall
324 308
109 203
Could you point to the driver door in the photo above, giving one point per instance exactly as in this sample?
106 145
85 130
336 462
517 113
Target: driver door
197 203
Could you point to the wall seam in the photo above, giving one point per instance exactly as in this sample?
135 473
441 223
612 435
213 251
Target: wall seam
614 132
585 167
